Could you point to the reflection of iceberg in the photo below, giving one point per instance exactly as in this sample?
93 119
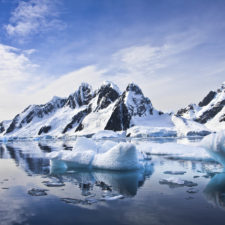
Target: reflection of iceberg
215 190
32 158
125 183
215 145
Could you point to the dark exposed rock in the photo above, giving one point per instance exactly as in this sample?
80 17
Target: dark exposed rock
222 118
181 112
36 111
120 118
209 97
134 88
12 126
81 97
44 130
2 128
77 120
123 111
106 95
209 114
140 105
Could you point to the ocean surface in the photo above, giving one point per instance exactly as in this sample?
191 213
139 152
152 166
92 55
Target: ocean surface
31 192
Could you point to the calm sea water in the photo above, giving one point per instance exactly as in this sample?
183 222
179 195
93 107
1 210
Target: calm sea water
100 197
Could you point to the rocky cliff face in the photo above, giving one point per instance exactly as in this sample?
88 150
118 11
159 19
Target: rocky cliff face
210 111
130 104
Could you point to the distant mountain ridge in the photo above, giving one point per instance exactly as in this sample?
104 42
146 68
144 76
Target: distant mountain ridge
88 111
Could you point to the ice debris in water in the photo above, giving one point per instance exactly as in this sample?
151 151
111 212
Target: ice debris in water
37 192
177 182
54 184
111 198
175 172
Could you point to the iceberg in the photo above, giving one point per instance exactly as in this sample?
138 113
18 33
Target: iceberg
88 154
123 156
215 146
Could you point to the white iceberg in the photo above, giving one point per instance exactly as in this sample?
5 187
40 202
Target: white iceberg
215 146
123 156
88 154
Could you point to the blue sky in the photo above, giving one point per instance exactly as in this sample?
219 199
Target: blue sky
173 49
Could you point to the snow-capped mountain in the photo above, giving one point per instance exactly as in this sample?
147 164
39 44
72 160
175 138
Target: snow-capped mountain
84 112
210 111
88 111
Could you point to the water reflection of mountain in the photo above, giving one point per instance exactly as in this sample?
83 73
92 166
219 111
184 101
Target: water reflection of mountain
31 157
215 190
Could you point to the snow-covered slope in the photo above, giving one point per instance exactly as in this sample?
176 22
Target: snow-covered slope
210 111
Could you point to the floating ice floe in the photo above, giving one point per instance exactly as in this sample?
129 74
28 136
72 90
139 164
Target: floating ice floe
175 151
87 154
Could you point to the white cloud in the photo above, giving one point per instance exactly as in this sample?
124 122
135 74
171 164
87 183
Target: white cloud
31 17
14 64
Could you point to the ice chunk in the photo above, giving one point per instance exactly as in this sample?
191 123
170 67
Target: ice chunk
214 142
54 184
175 172
83 143
123 156
72 159
215 145
172 180
111 198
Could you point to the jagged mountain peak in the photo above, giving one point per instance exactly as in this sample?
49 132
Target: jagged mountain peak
210 111
106 94
134 88
111 85
136 102
80 97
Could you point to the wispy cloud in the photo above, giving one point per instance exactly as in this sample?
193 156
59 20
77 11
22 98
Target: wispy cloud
15 64
32 17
